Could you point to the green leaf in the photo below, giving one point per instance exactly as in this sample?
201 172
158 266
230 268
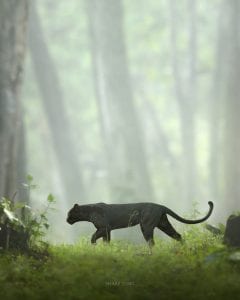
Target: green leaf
10 215
19 205
43 217
50 198
46 225
29 178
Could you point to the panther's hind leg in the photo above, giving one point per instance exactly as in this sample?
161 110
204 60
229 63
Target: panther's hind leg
167 228
147 232
107 236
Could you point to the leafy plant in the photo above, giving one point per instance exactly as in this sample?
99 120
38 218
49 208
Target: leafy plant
18 220
37 223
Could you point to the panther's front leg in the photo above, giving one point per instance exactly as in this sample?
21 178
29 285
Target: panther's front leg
101 232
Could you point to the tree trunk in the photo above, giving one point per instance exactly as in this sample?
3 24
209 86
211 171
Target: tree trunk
23 193
13 19
53 103
216 102
186 101
232 109
121 127
161 143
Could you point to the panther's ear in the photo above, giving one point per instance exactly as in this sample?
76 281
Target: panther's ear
75 205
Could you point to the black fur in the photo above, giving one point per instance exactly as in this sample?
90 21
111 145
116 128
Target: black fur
107 217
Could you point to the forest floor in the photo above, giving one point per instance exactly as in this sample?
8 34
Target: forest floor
200 268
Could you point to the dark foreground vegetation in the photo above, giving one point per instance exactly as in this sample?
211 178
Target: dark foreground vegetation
201 268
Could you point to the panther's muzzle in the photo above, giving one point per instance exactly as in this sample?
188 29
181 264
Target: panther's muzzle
70 221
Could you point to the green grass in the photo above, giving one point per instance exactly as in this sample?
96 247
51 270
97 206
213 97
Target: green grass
198 269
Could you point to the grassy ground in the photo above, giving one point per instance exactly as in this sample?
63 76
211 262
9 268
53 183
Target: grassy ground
201 268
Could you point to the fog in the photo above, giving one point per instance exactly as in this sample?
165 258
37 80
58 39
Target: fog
132 101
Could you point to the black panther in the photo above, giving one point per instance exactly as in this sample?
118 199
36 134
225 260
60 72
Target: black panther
107 217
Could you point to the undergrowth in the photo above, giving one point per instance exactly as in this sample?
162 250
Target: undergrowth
21 227
199 268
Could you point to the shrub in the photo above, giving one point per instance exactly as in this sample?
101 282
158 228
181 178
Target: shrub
22 228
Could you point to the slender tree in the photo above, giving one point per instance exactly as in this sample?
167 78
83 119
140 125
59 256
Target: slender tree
13 20
216 102
162 142
53 103
186 98
121 127
232 107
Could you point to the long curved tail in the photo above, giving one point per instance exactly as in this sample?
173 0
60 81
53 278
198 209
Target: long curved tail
180 219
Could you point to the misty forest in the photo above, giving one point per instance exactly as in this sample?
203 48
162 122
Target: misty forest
126 102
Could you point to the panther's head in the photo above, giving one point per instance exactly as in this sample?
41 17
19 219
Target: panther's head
75 214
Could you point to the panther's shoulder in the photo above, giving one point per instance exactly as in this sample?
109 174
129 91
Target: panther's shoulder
99 207
101 204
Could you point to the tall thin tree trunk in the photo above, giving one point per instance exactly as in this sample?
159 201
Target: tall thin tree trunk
13 20
186 100
232 109
162 141
53 103
128 171
216 103
23 193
